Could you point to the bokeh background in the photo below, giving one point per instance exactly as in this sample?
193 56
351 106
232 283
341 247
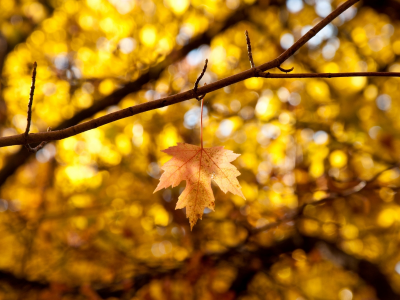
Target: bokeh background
79 219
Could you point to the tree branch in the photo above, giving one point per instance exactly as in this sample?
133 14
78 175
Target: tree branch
29 115
249 52
140 108
130 111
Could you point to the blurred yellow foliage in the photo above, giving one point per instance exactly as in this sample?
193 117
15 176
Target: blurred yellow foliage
318 157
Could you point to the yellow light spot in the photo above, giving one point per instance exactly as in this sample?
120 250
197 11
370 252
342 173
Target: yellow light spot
84 54
218 54
35 11
311 227
371 92
389 176
94 3
318 90
349 231
77 174
313 286
81 201
148 35
80 222
108 25
253 83
219 285
86 22
168 137
299 255
317 169
165 45
7 5
358 82
135 210
358 34
69 144
71 7
249 160
178 6
118 204
386 194
107 86
67 111
38 37
365 113
338 159
159 214
123 143
318 195
329 229
147 223
110 156
331 68
284 274
355 246
386 217
250 191
396 47
84 100
161 218
180 254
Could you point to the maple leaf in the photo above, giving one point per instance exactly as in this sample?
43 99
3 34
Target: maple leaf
198 165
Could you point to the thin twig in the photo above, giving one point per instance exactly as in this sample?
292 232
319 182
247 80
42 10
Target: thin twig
130 111
196 84
201 122
330 75
249 49
29 115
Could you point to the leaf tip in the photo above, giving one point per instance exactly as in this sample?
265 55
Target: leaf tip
157 189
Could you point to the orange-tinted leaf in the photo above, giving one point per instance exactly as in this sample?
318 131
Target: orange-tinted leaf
198 166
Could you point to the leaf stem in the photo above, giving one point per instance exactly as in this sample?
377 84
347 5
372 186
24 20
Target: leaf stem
201 123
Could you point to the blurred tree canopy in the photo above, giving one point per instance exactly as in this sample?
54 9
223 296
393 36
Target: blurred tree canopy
319 157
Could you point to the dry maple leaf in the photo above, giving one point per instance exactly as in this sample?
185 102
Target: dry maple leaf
198 165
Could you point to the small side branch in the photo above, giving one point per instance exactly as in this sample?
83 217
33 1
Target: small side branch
196 84
249 49
29 115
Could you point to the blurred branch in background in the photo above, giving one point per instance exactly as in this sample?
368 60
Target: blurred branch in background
251 263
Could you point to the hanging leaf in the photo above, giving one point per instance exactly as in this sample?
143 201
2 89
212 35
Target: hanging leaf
198 165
